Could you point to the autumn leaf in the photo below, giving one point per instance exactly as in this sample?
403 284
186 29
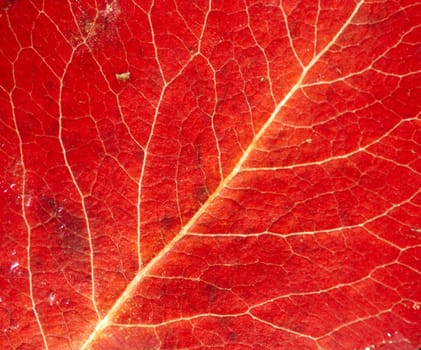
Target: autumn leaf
210 174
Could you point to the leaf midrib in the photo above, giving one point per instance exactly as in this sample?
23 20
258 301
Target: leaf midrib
131 287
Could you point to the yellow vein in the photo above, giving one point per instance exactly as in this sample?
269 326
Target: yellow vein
27 225
78 189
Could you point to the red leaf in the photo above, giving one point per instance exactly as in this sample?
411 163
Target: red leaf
237 175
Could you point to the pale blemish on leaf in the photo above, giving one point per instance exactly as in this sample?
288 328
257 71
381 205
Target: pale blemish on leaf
122 76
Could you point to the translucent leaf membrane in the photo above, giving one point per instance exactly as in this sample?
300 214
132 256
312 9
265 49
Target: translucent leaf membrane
209 174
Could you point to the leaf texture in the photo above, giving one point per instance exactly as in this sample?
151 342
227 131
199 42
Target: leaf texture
210 174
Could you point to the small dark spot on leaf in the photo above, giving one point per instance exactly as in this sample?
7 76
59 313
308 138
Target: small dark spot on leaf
232 336
6 4
167 222
49 85
212 293
69 229
201 194
198 160
35 261
48 203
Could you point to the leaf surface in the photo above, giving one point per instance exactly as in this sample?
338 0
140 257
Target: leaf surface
193 174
